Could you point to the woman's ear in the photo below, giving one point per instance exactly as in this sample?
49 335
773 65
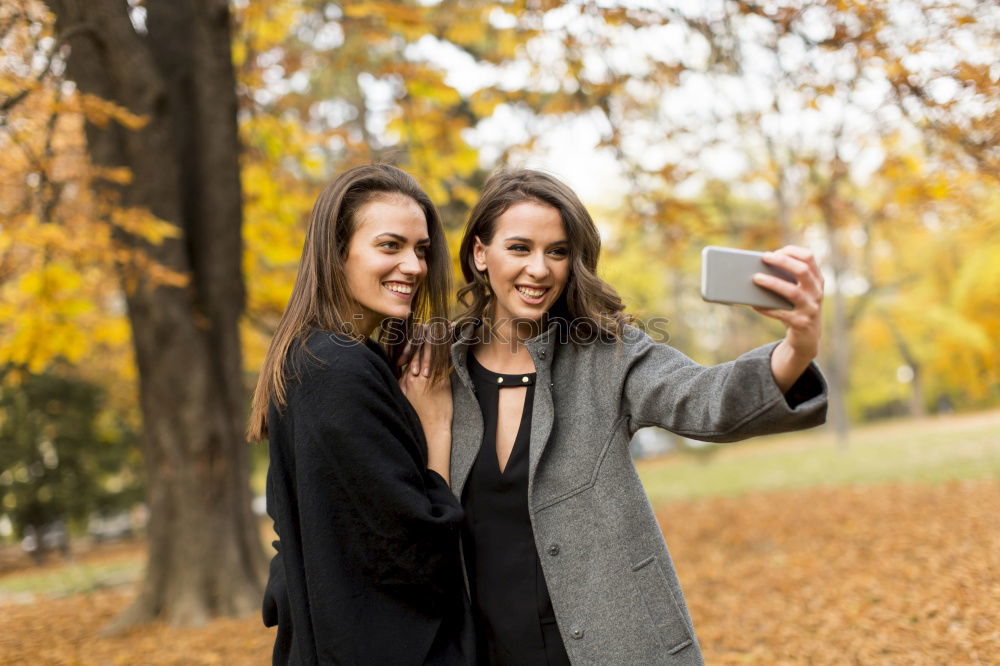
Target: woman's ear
479 254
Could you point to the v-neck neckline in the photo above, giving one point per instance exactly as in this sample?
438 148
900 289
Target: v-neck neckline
493 380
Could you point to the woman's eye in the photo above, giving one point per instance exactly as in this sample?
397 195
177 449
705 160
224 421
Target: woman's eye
518 248
389 245
559 251
421 251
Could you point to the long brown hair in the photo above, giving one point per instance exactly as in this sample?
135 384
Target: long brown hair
590 306
321 298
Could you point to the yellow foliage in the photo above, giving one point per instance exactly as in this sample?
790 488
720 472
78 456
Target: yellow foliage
50 326
432 91
485 102
262 26
119 175
100 111
60 299
53 278
466 32
464 193
395 14
935 282
140 222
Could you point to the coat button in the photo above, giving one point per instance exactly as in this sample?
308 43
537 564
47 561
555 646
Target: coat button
576 633
554 549
541 354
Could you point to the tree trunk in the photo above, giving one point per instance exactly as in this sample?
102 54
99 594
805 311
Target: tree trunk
839 339
918 408
839 349
781 187
205 556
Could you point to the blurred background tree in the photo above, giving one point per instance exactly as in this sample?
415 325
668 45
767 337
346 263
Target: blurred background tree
160 159
161 193
64 459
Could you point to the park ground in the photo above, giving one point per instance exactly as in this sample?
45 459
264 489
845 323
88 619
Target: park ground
790 549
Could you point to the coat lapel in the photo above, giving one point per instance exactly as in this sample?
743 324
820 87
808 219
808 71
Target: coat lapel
467 421
542 349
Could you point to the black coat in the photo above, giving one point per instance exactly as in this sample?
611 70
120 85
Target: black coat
367 570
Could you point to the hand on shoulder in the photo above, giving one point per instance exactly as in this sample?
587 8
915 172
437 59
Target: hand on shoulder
431 399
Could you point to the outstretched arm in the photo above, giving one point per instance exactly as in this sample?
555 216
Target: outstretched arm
721 403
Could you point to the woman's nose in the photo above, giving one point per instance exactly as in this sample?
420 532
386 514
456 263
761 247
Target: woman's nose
412 265
537 268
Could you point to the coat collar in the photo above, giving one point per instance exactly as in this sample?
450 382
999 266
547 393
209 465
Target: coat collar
541 347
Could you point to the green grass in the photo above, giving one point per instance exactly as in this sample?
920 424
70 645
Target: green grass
929 450
74 578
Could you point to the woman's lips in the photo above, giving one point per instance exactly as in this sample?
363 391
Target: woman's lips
531 295
401 290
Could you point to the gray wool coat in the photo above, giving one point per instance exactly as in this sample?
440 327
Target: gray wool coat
613 586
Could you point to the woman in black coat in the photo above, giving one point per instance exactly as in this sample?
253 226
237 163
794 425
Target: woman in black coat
367 569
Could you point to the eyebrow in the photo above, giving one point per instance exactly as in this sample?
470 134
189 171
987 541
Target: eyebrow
528 240
401 239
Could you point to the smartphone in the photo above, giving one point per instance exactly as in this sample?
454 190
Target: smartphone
727 277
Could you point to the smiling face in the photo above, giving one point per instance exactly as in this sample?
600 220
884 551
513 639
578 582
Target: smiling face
526 261
386 259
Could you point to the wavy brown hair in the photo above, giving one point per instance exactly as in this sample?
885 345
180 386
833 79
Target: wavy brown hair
321 298
589 305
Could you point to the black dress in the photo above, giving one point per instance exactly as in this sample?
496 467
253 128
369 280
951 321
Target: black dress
515 622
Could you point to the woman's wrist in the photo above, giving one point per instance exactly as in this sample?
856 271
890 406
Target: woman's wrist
787 365
439 451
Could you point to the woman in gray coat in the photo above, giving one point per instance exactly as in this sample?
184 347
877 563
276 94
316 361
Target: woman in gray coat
564 557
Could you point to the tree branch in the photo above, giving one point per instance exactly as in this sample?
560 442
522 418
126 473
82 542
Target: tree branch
83 28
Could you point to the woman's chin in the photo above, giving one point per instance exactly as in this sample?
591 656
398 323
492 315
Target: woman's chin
526 317
396 313
520 313
532 312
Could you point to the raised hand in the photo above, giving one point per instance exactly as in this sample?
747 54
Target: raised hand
803 324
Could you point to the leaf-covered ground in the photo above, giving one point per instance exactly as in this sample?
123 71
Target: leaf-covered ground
897 574
891 574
